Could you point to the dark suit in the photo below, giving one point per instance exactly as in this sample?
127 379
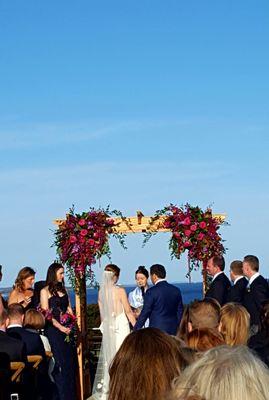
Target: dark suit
163 306
237 291
219 289
14 348
32 341
254 296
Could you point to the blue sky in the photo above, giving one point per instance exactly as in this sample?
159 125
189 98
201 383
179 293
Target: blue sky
136 105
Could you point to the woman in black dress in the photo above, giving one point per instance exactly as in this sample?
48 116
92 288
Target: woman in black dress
54 297
22 291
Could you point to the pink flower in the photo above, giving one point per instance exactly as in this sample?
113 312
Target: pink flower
188 232
82 222
110 221
84 232
202 225
200 236
91 242
186 221
193 227
73 239
187 244
176 235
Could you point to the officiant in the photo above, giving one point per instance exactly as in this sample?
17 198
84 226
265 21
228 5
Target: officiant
136 296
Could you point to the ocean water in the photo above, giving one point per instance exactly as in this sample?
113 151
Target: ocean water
189 291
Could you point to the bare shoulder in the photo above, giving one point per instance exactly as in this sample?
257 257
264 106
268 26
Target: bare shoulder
45 290
121 291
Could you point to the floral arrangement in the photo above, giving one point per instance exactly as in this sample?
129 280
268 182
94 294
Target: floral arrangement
193 230
69 321
83 238
47 314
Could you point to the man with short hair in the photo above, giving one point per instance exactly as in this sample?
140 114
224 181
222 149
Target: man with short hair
162 303
237 290
220 284
257 290
204 314
14 348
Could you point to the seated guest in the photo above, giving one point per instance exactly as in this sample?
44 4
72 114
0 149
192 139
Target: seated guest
14 348
204 339
34 322
22 292
237 290
135 359
260 341
32 341
203 314
5 375
223 373
220 284
234 324
256 293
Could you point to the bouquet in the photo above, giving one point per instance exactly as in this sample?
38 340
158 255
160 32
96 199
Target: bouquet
69 321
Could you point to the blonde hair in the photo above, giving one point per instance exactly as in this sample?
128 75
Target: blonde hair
34 319
234 324
223 373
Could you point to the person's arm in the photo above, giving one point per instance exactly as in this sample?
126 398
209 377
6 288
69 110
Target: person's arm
126 306
146 310
44 302
13 297
69 308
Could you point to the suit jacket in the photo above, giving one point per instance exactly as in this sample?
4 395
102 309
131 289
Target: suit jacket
163 306
254 296
32 341
14 348
219 289
237 291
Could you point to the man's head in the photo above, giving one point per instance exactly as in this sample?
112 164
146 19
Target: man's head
15 314
157 271
236 269
3 319
250 265
215 265
204 314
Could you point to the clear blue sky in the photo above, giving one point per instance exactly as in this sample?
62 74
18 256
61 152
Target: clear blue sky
136 105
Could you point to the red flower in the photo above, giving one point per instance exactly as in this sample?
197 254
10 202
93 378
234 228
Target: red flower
202 225
186 221
193 227
91 242
84 232
82 222
200 236
187 244
188 232
73 239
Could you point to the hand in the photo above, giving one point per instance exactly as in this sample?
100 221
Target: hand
65 330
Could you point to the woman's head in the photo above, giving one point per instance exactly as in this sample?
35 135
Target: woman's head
114 269
25 279
223 373
141 276
33 319
204 339
234 324
150 359
55 278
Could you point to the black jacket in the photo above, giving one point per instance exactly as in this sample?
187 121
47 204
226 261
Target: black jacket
219 289
254 296
14 348
237 291
32 341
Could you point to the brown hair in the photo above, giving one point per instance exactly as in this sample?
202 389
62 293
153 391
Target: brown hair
237 267
113 268
51 281
135 358
234 324
253 262
219 262
15 310
183 326
34 319
204 339
204 314
23 274
3 317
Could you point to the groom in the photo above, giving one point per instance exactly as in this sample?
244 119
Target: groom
162 303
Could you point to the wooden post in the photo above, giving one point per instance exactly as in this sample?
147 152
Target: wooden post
204 273
81 313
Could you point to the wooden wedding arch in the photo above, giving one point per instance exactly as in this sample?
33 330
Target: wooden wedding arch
125 225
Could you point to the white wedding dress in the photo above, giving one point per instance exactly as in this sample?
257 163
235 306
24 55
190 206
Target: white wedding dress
114 327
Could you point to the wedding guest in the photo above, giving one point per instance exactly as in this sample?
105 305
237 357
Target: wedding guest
220 284
34 322
237 290
260 341
204 339
22 292
54 297
257 291
136 296
135 361
224 372
234 324
163 304
14 348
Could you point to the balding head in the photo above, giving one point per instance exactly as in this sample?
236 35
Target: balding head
204 314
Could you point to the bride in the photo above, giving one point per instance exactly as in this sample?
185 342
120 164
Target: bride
115 314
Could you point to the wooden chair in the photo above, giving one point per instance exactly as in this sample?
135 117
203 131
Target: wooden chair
34 361
16 367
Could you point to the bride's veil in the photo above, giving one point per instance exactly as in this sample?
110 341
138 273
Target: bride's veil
108 327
